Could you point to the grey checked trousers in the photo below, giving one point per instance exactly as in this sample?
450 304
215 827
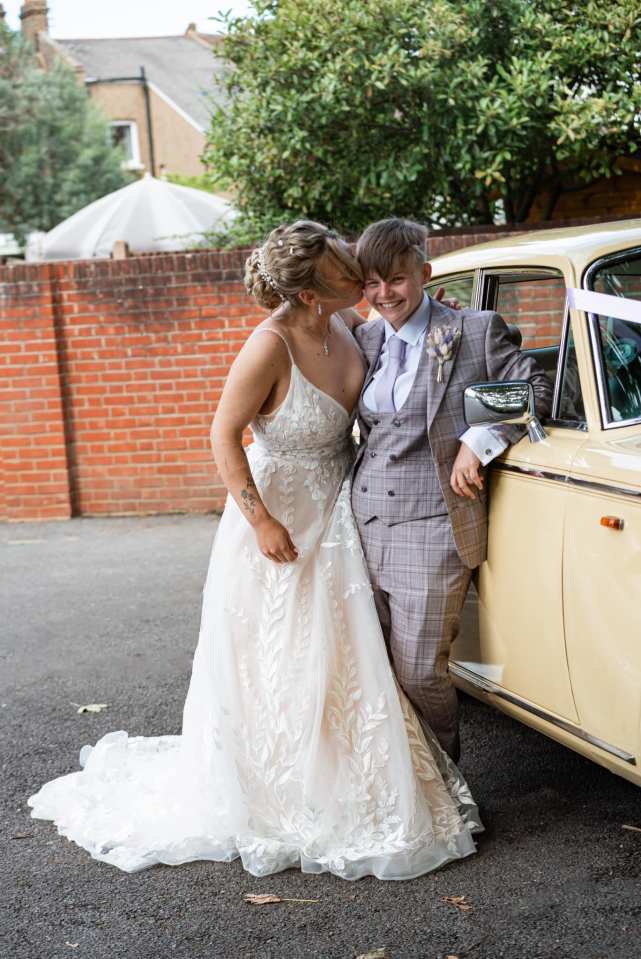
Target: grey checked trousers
420 585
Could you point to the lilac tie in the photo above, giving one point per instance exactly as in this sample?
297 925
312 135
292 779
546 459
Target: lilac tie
384 389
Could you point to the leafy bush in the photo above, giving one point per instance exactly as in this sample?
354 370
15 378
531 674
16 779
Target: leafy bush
452 111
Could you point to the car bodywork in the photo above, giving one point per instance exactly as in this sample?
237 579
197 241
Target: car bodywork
552 633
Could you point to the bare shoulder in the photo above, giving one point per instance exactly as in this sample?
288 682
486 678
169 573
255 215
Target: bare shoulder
265 350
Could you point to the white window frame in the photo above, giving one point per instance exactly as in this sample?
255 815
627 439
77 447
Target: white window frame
133 162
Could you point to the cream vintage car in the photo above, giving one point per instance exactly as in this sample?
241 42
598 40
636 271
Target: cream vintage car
555 637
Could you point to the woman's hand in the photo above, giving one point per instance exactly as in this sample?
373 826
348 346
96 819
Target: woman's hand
274 541
453 303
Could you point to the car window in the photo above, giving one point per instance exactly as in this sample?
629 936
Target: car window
619 341
621 354
458 287
620 277
535 304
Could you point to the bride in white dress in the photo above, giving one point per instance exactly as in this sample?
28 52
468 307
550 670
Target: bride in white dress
298 747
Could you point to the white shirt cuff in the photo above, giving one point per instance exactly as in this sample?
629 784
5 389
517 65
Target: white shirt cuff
485 442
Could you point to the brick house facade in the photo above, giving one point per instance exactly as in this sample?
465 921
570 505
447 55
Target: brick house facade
156 91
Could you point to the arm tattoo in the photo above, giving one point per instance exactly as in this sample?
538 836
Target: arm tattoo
248 498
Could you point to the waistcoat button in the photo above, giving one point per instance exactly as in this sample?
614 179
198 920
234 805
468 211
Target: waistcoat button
375 422
396 421
390 492
372 454
363 489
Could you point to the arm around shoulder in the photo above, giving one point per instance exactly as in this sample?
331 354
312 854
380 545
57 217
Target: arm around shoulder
351 318
505 361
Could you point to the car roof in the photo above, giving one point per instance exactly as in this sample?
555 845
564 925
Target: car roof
573 247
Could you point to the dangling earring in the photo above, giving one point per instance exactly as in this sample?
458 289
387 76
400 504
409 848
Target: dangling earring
320 310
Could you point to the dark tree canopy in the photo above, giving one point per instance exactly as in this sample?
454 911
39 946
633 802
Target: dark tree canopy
56 154
451 111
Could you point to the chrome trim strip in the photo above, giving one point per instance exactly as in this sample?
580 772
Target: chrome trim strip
597 365
560 366
569 480
604 487
489 687
476 290
529 471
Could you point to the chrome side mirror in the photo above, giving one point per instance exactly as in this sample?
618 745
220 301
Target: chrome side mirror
510 402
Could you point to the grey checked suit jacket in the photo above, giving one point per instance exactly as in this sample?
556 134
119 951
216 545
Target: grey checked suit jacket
483 352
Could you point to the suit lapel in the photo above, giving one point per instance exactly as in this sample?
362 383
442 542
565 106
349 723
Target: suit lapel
371 345
441 316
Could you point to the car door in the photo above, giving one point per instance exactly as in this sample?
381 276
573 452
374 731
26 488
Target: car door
602 559
520 649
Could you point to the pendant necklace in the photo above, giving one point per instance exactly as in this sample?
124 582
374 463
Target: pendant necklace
324 344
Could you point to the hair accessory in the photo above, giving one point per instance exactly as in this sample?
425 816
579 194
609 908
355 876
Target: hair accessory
264 273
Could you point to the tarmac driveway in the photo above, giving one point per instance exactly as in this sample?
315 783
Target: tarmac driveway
107 611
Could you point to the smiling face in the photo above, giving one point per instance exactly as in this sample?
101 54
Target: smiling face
398 295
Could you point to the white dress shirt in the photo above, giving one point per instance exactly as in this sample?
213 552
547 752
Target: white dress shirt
484 441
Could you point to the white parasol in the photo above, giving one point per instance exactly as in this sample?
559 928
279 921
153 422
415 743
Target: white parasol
149 215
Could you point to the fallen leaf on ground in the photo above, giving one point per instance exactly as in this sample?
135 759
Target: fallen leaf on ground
452 957
24 542
375 954
91 707
459 901
72 945
632 828
265 899
22 835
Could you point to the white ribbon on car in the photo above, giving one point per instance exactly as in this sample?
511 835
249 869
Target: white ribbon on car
603 304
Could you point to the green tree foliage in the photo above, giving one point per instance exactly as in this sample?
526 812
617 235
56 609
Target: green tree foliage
56 154
452 111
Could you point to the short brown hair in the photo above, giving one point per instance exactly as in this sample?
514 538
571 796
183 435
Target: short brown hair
383 244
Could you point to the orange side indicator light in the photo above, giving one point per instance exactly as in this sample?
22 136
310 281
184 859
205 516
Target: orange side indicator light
612 522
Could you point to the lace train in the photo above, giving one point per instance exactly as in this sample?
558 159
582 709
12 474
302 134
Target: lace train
298 748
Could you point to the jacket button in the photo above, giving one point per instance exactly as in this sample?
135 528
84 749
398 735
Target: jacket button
375 422
390 492
372 454
363 489
396 421
392 458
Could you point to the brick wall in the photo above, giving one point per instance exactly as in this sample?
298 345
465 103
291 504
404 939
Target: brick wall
606 198
111 371
32 429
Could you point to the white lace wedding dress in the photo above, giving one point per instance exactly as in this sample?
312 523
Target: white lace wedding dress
298 748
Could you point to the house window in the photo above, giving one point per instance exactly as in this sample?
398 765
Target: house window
124 133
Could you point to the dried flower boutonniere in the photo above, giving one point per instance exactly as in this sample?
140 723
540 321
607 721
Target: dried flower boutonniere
441 341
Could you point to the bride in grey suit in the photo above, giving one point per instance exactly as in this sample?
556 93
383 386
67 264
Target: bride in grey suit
418 491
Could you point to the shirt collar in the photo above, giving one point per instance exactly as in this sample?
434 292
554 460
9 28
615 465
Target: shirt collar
413 329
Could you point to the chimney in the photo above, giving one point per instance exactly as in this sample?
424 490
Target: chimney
34 20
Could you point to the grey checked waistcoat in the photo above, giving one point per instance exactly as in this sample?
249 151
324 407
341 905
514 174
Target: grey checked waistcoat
427 443
396 477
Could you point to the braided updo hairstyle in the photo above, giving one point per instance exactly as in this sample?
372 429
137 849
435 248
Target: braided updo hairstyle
288 262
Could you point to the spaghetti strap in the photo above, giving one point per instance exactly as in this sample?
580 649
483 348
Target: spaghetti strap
268 329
